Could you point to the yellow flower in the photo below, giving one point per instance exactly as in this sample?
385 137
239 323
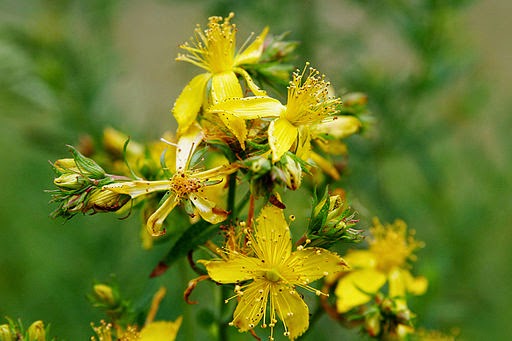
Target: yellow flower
214 50
384 262
185 184
308 103
274 271
151 331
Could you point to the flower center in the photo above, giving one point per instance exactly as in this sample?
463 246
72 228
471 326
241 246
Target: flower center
182 184
272 275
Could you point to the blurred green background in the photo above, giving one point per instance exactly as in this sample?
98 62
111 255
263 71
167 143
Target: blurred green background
437 156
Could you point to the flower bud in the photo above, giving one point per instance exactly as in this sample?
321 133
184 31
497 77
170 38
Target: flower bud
372 324
36 331
292 172
87 166
332 221
105 294
355 98
70 181
5 333
101 200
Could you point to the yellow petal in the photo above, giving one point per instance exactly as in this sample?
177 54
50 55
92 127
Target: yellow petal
325 165
361 259
160 331
225 85
352 288
250 83
236 125
237 268
138 188
187 145
272 234
281 136
156 220
291 309
252 53
252 306
249 107
339 126
310 264
304 143
402 282
207 209
189 102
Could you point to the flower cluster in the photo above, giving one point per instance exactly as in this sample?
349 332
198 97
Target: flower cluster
233 136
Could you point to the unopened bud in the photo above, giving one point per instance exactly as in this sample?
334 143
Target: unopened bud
70 181
5 333
36 331
372 325
87 166
101 200
355 98
105 294
293 173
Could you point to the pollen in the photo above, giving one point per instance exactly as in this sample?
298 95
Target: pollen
182 184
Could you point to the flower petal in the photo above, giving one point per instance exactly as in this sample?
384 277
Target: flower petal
225 85
252 306
207 209
272 234
138 188
353 289
249 107
250 83
237 127
187 145
291 309
310 264
252 53
189 102
160 331
281 135
401 282
361 259
237 268
156 220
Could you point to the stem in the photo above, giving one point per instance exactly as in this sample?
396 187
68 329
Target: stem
231 198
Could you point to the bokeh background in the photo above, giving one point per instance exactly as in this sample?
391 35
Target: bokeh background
437 74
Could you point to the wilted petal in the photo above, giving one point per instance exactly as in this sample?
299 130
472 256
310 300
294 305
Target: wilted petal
354 288
138 188
207 209
156 220
186 146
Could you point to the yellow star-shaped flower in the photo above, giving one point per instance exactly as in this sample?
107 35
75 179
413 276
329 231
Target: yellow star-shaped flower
309 103
185 184
214 50
384 262
274 270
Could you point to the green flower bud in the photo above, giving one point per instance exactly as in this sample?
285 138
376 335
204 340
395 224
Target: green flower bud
87 166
